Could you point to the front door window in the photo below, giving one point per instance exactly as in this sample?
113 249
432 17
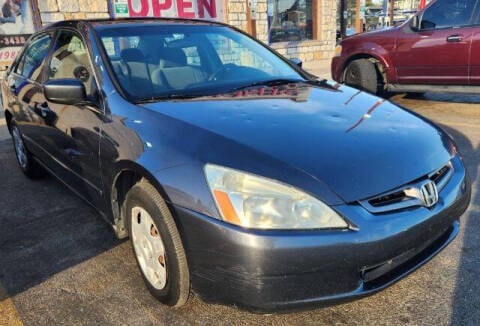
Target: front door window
448 14
70 60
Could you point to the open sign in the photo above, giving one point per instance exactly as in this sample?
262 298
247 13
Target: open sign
201 9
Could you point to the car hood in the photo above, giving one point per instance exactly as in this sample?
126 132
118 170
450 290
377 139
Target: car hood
357 144
372 35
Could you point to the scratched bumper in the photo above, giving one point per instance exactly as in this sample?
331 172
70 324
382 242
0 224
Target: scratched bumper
286 270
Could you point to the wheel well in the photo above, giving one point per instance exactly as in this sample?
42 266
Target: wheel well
381 73
8 118
124 181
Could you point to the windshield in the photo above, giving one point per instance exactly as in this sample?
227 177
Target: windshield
155 61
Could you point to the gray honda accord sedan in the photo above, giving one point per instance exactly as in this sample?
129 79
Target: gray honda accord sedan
237 175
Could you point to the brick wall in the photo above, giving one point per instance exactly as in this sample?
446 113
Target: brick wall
322 49
55 10
237 14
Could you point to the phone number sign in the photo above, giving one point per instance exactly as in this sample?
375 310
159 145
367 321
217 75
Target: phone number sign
10 45
8 54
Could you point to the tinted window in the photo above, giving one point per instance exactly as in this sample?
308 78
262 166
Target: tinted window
70 60
290 20
448 13
30 63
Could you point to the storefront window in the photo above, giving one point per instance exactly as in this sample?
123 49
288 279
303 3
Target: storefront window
290 20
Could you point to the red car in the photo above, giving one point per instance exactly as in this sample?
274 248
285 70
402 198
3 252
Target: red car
436 50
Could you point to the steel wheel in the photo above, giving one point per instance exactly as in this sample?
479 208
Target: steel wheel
157 245
148 247
20 149
362 74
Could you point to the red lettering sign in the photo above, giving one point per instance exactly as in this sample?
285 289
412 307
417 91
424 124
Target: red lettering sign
209 5
181 6
158 7
174 8
144 5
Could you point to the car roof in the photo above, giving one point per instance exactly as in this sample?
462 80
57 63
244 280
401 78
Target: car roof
112 21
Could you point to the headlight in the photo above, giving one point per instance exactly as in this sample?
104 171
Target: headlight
256 202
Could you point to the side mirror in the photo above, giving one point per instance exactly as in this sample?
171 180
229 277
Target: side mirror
296 62
415 23
425 24
65 91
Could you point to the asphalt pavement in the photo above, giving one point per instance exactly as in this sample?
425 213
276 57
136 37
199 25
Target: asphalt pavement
61 264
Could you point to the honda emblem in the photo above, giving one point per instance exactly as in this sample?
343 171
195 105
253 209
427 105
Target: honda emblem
429 193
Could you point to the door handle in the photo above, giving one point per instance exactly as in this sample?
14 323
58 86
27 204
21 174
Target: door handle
455 38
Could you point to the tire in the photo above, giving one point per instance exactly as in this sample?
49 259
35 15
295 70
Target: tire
25 159
362 74
156 245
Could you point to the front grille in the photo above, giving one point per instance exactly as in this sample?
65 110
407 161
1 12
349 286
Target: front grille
442 176
408 195
389 199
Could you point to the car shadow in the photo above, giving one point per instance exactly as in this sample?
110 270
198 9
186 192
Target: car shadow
466 298
44 229
441 97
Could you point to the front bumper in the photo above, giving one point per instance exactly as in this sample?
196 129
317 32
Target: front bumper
283 270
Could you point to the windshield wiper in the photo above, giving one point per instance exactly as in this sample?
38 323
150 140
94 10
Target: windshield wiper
169 97
271 82
188 96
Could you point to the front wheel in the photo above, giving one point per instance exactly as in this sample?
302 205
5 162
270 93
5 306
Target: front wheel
362 74
157 245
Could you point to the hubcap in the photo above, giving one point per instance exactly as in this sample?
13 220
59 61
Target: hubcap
148 246
352 76
19 148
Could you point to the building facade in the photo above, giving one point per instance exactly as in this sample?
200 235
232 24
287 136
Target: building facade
407 4
304 29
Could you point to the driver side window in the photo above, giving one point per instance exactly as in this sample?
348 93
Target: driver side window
70 60
448 14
